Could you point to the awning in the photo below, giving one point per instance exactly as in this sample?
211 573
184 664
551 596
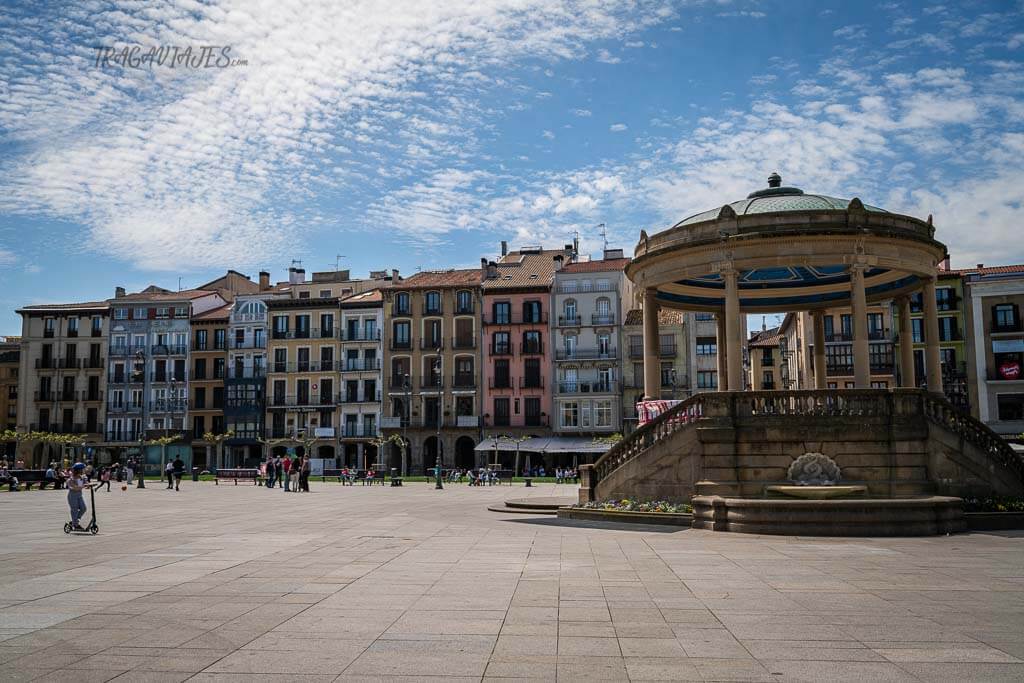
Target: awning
545 444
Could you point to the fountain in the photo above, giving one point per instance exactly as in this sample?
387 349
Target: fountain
815 476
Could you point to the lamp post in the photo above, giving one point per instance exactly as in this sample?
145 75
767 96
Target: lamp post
142 462
440 415
405 421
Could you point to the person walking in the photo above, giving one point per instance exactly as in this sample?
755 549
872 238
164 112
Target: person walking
129 470
286 471
304 474
294 473
105 478
169 473
278 471
77 482
268 472
179 469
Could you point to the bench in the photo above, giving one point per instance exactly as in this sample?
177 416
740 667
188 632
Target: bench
236 474
27 478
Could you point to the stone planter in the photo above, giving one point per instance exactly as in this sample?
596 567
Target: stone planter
683 519
994 521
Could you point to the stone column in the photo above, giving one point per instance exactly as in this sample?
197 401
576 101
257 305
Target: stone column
820 366
652 359
734 342
932 362
208 463
360 457
906 344
858 302
720 355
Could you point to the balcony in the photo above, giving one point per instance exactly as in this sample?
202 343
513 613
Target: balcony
575 287
260 343
62 428
588 387
878 335
501 349
528 382
94 363
169 349
838 337
464 381
167 377
767 386
122 350
431 344
838 369
69 363
373 397
45 396
463 342
464 310
73 333
123 407
300 401
571 321
48 333
360 335
435 383
432 310
69 396
360 365
96 332
500 383
636 351
248 317
93 396
123 435
400 344
1000 328
46 363
358 431
391 422
397 310
602 319
401 382
515 319
465 421
531 349
168 406
257 372
587 354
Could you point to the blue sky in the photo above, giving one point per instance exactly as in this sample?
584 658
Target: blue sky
406 136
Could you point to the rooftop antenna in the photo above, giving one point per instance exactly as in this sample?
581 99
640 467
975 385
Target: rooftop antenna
575 245
337 261
604 235
179 283
296 263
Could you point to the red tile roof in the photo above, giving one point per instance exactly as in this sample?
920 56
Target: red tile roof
157 294
769 337
988 270
666 317
517 270
373 296
440 278
596 266
219 313
85 305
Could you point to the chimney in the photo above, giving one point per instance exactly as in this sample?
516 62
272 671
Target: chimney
980 266
575 248
264 280
492 270
296 276
118 292
610 254
504 248
558 262
394 275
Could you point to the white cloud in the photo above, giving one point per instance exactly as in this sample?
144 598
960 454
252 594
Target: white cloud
763 79
851 32
581 112
617 127
548 135
1016 40
607 57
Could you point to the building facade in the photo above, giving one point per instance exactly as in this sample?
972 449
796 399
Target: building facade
362 318
765 351
208 361
517 347
590 302
433 368
10 354
61 381
674 355
996 352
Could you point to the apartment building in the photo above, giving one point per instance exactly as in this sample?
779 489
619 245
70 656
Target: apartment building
674 354
995 353
362 318
302 375
433 367
590 301
838 325
517 350
60 375
10 354
208 360
766 351
148 371
949 298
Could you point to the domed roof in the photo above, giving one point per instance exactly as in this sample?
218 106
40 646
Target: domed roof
778 199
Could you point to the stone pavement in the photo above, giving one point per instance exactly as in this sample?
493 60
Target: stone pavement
238 583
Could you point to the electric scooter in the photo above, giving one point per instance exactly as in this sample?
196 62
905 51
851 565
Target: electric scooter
91 527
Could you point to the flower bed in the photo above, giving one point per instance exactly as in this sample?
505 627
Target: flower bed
994 504
629 505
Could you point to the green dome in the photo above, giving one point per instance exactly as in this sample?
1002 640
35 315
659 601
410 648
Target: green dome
778 199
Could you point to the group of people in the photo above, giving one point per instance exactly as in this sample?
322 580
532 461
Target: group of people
563 475
289 473
173 471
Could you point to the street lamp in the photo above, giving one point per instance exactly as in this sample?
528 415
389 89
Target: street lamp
440 413
405 421
142 462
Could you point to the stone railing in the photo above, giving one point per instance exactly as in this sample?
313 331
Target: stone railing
942 412
677 417
818 402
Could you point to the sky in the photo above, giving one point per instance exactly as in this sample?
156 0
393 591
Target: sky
415 135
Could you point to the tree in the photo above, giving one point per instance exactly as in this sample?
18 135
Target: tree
218 440
74 440
381 441
163 442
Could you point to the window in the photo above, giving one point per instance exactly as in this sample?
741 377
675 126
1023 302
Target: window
531 408
945 297
464 376
880 356
875 327
163 312
846 324
432 334
839 359
1004 318
707 379
502 344
947 329
604 345
201 343
1011 406
917 330
326 325
502 312
140 313
302 327
879 384
707 346
570 414
532 312
401 306
602 413
120 314
501 380
767 356
280 360
72 327
667 344
501 412
325 294
948 359
200 369
400 335
828 324
219 368
464 301
570 316
767 380
531 373
532 342
569 344
603 316
97 326
703 317
49 325
432 303
181 311
668 374
304 295
280 327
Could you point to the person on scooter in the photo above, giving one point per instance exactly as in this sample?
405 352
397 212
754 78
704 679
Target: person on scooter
77 483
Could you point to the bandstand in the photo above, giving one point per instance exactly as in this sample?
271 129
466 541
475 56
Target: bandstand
895 461
782 250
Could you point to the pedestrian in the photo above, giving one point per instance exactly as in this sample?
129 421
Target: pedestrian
169 473
129 470
105 478
179 469
278 471
304 475
51 478
77 483
268 472
286 468
294 473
